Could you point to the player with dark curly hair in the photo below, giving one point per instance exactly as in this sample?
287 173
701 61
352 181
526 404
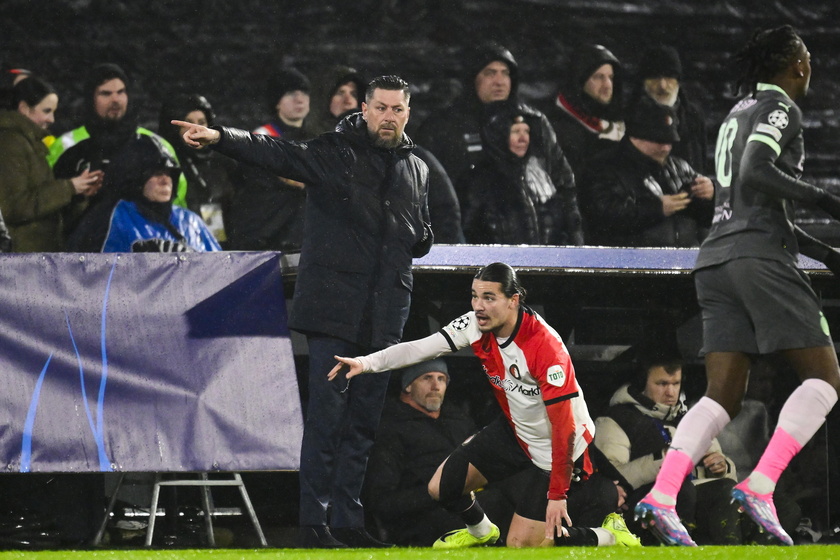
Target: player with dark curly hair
754 298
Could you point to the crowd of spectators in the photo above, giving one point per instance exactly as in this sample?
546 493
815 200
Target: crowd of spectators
611 160
541 158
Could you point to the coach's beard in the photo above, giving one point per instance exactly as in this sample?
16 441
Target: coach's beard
387 143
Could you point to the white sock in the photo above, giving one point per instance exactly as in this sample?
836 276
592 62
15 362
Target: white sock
703 422
482 529
605 538
806 408
663 498
760 483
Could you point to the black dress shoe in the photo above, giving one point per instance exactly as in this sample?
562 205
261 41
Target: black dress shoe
318 536
357 537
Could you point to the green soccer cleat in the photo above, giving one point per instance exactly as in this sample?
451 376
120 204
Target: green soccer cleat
461 538
614 523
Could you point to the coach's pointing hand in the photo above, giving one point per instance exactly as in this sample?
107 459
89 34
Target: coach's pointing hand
197 136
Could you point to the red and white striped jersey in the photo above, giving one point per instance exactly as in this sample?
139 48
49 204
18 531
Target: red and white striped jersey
533 380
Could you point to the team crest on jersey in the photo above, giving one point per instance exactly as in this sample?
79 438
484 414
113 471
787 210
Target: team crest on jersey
461 323
514 371
778 118
556 376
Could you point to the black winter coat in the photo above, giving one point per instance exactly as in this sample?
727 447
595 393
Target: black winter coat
621 207
530 200
409 448
267 212
444 209
453 134
366 217
691 126
585 127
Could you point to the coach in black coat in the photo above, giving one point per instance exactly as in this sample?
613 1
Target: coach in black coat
366 217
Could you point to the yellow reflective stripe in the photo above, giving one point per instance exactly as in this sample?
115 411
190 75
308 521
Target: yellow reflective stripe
65 142
766 140
770 87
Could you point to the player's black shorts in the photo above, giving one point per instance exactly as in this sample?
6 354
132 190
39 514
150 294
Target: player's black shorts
495 452
758 306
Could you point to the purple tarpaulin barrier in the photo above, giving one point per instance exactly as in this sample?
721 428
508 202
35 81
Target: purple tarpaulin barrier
559 259
146 362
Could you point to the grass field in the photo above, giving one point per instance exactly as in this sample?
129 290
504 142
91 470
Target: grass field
491 553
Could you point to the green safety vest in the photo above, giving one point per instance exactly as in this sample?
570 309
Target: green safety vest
73 137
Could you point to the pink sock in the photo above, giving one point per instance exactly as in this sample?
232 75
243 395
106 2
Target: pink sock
780 451
801 416
675 468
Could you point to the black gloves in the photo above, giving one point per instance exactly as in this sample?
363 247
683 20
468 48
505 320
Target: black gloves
159 246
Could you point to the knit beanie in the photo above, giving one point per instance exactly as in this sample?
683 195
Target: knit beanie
284 81
648 120
660 61
588 58
411 373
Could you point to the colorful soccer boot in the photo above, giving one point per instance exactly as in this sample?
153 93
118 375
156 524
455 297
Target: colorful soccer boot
760 508
663 522
614 523
462 538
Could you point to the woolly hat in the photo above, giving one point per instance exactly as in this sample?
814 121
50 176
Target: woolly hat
483 55
660 61
284 81
411 373
588 58
651 121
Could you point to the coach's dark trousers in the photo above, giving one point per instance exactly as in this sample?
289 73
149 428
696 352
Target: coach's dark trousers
337 436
